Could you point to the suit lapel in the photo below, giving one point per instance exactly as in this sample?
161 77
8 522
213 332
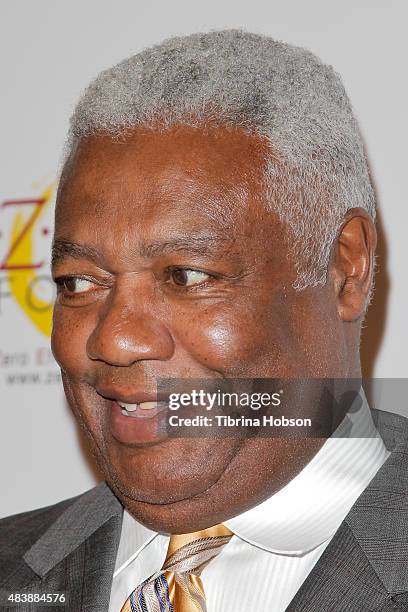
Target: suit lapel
72 528
99 565
343 579
365 567
379 518
76 555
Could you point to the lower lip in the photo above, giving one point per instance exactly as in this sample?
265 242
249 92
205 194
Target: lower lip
151 427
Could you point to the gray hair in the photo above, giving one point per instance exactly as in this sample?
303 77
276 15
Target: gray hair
283 93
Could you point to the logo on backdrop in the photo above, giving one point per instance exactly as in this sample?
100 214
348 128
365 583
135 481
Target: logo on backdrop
26 286
24 266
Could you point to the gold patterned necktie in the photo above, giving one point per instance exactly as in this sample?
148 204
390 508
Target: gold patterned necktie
177 587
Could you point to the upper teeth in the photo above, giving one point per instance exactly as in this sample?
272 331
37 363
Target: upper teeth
133 407
128 407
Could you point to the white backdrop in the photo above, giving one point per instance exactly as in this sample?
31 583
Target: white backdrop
50 49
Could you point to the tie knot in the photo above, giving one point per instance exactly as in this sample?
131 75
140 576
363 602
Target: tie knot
177 586
190 552
177 541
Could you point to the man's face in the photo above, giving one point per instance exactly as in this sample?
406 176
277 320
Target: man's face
177 270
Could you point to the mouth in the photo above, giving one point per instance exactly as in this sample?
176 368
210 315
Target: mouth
135 417
135 424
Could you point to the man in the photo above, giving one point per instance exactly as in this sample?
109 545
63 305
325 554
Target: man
215 221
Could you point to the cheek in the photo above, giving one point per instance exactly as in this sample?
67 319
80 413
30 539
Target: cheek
262 335
222 340
68 339
318 348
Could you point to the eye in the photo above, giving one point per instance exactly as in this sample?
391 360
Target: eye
74 284
185 277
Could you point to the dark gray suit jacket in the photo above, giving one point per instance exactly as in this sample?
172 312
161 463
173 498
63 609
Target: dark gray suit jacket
72 546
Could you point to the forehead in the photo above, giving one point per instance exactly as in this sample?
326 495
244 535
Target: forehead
211 170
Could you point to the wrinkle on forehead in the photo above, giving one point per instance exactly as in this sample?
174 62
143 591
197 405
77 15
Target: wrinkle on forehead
214 174
218 200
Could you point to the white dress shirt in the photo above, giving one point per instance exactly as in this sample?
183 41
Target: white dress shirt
277 543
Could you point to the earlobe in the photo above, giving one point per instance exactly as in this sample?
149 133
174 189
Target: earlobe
353 264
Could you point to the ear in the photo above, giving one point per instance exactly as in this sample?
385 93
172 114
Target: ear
353 264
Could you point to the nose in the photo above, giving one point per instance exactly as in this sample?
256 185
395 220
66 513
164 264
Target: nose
126 333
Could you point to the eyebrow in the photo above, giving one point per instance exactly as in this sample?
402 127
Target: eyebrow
63 249
195 244
192 244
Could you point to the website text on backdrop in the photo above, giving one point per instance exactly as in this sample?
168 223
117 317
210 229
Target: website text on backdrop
215 222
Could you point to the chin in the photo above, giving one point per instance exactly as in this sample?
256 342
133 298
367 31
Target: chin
170 472
183 516
161 494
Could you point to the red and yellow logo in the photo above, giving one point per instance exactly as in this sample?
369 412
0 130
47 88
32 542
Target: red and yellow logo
28 278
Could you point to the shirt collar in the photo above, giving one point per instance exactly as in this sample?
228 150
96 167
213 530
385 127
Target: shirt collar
134 537
310 508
